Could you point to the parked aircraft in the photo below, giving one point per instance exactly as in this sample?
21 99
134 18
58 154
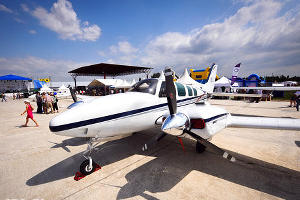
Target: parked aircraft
179 108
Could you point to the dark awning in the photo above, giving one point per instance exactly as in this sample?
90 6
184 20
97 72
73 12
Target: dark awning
105 69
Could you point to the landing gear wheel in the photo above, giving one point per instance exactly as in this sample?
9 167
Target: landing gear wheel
200 148
84 167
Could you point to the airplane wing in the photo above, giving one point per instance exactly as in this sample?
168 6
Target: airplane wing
223 94
263 122
268 88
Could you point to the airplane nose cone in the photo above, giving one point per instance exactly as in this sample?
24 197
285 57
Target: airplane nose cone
53 124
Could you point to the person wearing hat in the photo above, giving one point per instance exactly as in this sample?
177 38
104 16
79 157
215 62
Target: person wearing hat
29 110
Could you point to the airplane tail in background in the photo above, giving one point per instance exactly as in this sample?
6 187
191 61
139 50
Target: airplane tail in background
210 84
235 73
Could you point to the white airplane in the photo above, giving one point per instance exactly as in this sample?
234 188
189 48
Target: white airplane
180 109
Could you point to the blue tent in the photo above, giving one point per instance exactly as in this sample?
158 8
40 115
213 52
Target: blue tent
11 77
38 84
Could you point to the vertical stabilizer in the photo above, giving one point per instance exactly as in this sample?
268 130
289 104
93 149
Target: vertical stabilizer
210 84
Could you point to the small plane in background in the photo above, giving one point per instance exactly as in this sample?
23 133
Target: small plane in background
179 107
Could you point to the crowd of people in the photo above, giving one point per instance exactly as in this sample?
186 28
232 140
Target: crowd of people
46 102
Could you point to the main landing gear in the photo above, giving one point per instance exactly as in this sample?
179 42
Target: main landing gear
88 166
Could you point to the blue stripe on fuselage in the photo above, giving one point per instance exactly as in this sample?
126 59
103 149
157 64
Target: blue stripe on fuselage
113 116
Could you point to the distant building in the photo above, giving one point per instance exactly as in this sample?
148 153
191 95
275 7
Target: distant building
14 83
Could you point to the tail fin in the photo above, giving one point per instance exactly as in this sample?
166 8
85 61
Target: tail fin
210 84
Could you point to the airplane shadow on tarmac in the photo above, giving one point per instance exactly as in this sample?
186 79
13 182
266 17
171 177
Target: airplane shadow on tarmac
171 165
69 142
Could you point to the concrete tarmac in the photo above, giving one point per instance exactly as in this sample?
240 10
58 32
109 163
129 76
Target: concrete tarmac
36 164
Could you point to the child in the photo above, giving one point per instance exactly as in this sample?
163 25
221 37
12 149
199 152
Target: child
29 109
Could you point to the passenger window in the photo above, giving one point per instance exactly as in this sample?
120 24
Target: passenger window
195 92
162 92
180 89
190 91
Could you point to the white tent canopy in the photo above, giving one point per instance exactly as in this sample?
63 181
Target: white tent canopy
186 79
223 82
45 88
117 83
63 89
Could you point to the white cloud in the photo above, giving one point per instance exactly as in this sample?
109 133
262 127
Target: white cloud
32 32
36 67
19 20
123 53
5 9
25 7
63 20
123 47
258 35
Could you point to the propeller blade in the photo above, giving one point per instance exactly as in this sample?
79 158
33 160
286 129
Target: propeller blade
216 149
74 97
171 91
153 141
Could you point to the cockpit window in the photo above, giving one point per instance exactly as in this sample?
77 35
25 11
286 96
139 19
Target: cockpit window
195 92
77 103
190 91
145 86
180 89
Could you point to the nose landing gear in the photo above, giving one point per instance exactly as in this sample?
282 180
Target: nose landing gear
88 166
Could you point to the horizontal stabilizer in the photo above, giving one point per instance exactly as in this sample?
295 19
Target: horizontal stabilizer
264 123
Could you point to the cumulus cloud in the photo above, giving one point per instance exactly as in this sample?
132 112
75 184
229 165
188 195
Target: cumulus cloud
25 7
63 20
257 35
36 67
123 47
123 53
5 9
32 32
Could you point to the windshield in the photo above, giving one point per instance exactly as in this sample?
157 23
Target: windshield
145 86
77 103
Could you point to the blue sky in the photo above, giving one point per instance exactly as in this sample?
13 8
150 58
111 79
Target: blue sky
49 38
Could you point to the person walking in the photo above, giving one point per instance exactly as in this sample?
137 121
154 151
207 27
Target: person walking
4 97
293 100
297 102
29 110
39 103
55 100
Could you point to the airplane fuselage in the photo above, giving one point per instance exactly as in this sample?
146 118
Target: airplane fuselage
134 111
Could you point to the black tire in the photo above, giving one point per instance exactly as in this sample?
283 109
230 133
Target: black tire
84 167
200 148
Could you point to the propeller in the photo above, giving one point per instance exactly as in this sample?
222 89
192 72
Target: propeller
178 123
74 97
175 123
217 150
171 91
